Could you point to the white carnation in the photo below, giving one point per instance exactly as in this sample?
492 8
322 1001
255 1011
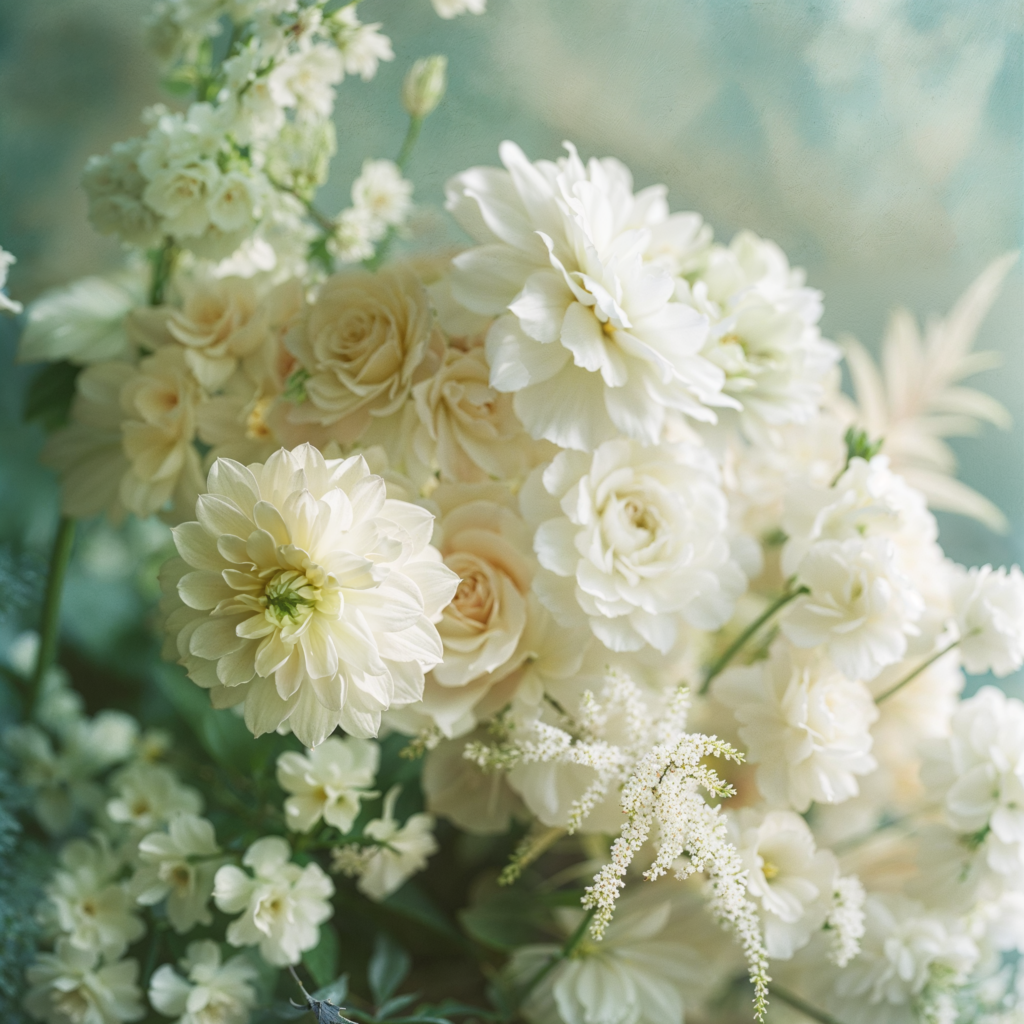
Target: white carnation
383 192
307 594
806 727
589 336
281 905
636 543
860 607
210 992
989 608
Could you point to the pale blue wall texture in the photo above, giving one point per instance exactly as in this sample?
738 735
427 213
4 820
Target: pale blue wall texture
880 142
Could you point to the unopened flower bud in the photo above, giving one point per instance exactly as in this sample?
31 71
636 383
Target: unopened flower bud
424 85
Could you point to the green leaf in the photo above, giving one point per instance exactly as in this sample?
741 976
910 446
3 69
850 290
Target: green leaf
388 967
322 960
48 401
335 992
412 902
505 919
393 1005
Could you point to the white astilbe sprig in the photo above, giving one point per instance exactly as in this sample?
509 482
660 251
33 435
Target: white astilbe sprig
845 920
915 399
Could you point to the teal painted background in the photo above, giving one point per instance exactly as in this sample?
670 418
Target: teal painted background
880 142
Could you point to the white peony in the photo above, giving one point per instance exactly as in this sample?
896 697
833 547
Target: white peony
634 539
989 608
179 865
791 881
805 726
328 782
281 905
69 987
589 336
860 607
978 773
306 593
210 993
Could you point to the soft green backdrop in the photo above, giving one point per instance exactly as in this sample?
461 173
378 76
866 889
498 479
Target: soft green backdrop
880 142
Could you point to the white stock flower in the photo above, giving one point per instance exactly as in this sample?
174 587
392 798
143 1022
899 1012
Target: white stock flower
82 322
806 727
453 8
113 185
978 773
178 865
589 337
636 541
306 593
355 234
400 851
69 987
381 190
989 608
305 80
328 782
7 304
792 882
147 796
282 905
362 47
860 607
211 992
90 907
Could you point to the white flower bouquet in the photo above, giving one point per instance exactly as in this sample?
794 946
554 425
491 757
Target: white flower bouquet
575 651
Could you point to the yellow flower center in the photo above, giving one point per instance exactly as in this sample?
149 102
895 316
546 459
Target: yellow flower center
769 870
256 428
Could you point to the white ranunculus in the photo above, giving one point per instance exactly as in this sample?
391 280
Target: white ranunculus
792 882
860 607
281 905
805 725
306 593
988 605
210 992
589 336
68 986
634 539
178 865
328 782
978 773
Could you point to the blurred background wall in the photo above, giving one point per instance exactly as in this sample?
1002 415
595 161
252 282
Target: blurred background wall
880 142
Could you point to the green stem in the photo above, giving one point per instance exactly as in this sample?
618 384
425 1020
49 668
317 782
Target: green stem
163 260
412 133
734 648
49 628
917 671
567 950
800 1004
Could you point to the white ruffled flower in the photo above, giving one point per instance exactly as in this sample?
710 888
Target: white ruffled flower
306 593
806 727
305 80
356 232
178 865
282 905
381 190
589 336
89 906
362 47
860 607
989 608
637 543
147 796
453 8
792 882
69 987
210 993
978 773
328 782
7 304
400 851
113 185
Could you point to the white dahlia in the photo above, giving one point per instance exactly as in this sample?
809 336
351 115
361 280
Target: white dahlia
305 592
634 539
576 267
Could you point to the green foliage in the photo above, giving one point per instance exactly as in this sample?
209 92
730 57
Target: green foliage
49 396
322 961
388 968
860 446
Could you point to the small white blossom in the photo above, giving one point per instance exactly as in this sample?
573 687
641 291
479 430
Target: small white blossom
989 608
305 80
453 8
69 986
328 782
282 905
356 231
210 992
383 192
7 305
400 851
362 47
179 865
150 795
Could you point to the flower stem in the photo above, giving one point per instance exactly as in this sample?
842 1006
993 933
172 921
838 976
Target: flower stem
408 144
567 950
785 996
49 627
163 260
734 648
917 671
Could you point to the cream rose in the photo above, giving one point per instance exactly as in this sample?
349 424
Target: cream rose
364 343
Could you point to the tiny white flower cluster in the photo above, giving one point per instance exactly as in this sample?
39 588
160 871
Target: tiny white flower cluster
7 304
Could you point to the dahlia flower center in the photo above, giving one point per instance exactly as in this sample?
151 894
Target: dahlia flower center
73 1004
290 598
256 428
